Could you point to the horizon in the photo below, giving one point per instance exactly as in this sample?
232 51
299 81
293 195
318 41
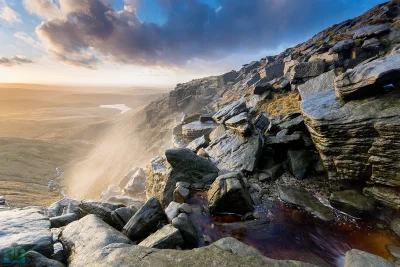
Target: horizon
152 43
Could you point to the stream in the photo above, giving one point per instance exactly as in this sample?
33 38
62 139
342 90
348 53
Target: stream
284 232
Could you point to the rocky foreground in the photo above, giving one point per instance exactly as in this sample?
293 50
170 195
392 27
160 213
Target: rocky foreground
317 127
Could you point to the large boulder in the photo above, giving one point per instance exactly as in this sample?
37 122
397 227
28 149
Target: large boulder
342 46
100 209
27 227
368 79
302 198
166 237
231 110
145 221
229 193
370 31
273 71
353 203
194 130
235 152
322 82
300 162
358 139
187 229
308 69
239 124
35 259
358 258
122 215
63 220
185 166
109 248
198 143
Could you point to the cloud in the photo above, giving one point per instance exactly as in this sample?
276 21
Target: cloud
43 8
9 15
91 30
14 60
27 39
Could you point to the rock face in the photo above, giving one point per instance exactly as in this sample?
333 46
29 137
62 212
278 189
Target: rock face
322 82
386 195
301 198
367 79
108 248
229 193
353 203
357 139
234 152
358 258
28 227
167 237
231 110
145 220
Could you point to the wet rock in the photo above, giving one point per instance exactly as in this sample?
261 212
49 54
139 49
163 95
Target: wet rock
308 69
373 43
320 83
369 126
172 211
100 209
167 237
181 194
145 220
35 259
239 124
353 203
394 251
122 215
63 220
185 208
272 173
395 226
300 162
387 196
187 230
358 258
198 143
342 46
302 198
27 227
231 110
371 30
194 130
229 193
366 80
235 152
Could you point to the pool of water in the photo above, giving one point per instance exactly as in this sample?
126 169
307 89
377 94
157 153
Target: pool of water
285 232
121 107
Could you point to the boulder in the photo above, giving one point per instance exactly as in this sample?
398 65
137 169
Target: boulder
302 198
272 71
185 166
172 211
261 122
300 162
357 139
218 132
187 230
167 237
320 83
194 130
239 124
185 208
145 221
368 79
206 118
122 215
198 143
261 88
373 43
181 194
308 69
27 227
63 220
136 184
272 173
231 110
128 176
229 193
358 258
370 31
35 259
342 46
59 207
386 195
353 203
395 226
394 252
100 209
252 80
235 152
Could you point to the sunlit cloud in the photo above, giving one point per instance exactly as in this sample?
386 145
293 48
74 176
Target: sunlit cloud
9 15
14 60
43 8
27 39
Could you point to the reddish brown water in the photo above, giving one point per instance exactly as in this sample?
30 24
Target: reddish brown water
287 233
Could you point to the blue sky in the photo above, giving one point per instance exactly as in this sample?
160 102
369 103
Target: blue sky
173 40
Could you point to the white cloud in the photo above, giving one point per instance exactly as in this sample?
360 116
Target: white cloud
9 15
27 39
43 8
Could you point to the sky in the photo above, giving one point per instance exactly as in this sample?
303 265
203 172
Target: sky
153 42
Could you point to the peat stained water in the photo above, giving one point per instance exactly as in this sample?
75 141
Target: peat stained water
285 232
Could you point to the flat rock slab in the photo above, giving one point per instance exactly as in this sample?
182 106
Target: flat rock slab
371 30
320 83
358 258
353 203
28 227
302 198
166 237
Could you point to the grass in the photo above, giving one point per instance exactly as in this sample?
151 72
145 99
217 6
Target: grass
280 104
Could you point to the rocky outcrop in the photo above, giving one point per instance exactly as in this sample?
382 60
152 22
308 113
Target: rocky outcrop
358 258
235 152
303 199
194 130
370 31
320 83
166 237
145 221
353 203
27 227
386 195
229 193
368 79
